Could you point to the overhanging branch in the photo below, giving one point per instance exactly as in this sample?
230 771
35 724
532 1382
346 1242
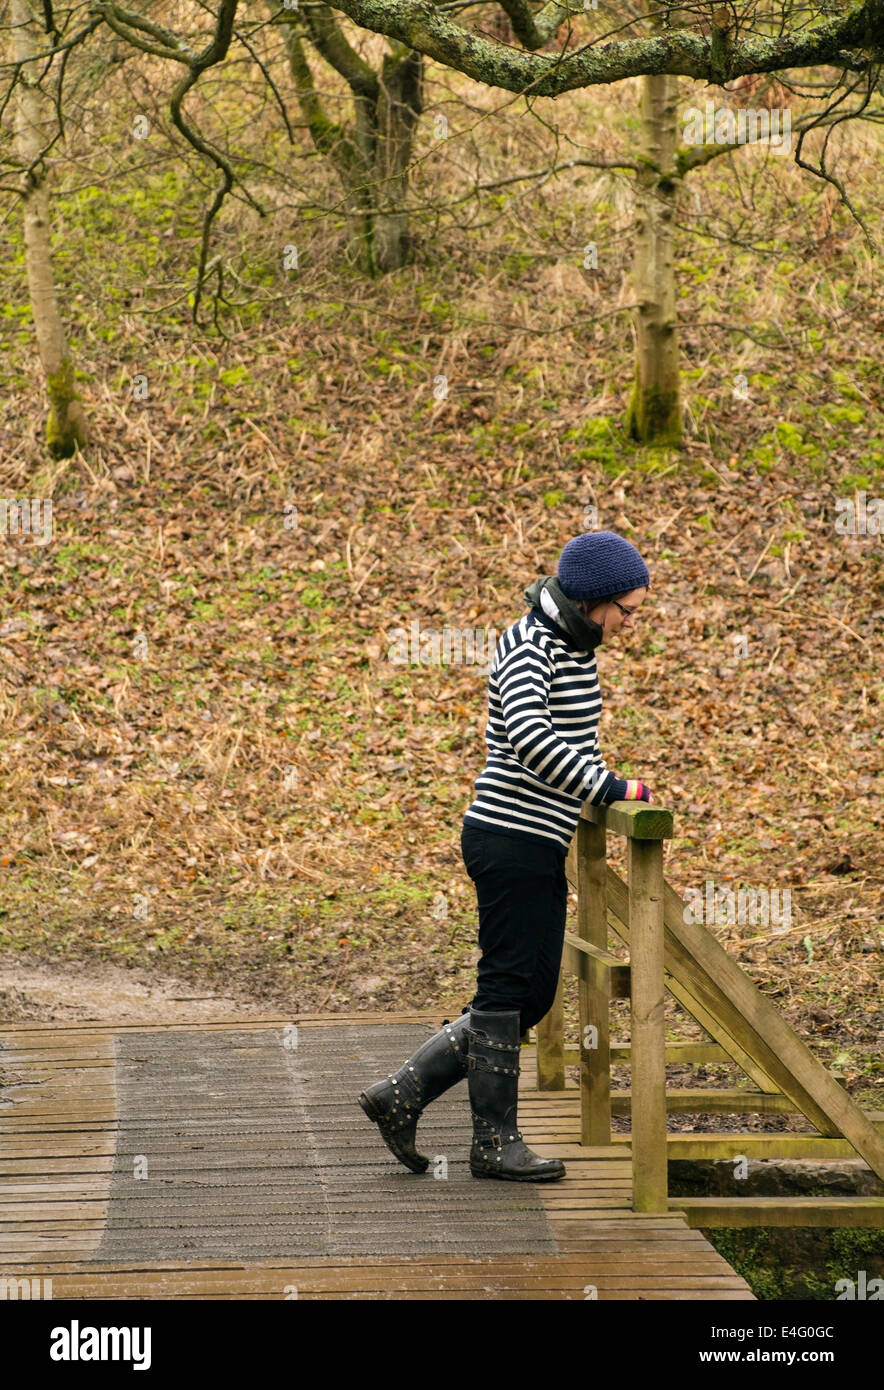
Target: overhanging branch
855 37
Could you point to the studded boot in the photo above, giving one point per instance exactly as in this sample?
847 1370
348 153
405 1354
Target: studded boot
498 1150
395 1105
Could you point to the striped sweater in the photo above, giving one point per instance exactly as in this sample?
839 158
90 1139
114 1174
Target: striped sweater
543 758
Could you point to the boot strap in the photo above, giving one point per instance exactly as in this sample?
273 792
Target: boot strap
482 1041
494 1139
480 1063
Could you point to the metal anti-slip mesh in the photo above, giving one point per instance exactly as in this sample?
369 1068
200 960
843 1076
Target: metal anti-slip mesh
256 1151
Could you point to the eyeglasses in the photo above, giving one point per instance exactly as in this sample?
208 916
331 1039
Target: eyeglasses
627 612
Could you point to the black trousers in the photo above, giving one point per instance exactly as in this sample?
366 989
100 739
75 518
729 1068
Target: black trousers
522 894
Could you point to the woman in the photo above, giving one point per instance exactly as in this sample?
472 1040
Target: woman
543 762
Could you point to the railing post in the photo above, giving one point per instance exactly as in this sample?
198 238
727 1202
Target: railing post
594 993
648 1052
551 1045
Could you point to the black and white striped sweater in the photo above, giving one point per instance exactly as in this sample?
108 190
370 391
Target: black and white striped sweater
544 704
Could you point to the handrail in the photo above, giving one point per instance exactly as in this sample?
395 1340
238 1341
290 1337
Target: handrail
670 951
601 977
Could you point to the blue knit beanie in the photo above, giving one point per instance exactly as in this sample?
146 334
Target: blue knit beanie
600 563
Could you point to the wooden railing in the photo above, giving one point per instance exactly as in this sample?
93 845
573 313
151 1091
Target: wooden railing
669 950
602 977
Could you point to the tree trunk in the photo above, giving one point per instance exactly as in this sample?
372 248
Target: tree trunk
66 424
371 160
654 414
398 108
357 175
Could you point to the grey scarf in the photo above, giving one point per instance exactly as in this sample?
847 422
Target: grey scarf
586 634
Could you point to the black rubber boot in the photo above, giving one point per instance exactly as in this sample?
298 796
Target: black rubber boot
396 1104
498 1150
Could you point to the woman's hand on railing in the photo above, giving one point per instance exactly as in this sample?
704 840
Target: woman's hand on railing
629 790
637 791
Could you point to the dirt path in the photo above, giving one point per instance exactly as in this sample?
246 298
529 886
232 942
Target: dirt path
108 993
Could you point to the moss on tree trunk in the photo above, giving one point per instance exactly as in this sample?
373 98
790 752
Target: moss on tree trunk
65 423
35 122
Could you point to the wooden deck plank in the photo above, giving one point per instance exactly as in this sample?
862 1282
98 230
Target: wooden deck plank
489 1292
562 1275
856 1212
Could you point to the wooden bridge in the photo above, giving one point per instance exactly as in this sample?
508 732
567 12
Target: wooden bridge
231 1160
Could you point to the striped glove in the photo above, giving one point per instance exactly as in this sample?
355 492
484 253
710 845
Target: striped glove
630 790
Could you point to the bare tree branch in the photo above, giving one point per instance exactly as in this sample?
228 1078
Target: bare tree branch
824 173
599 163
328 40
268 77
129 24
132 27
534 30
